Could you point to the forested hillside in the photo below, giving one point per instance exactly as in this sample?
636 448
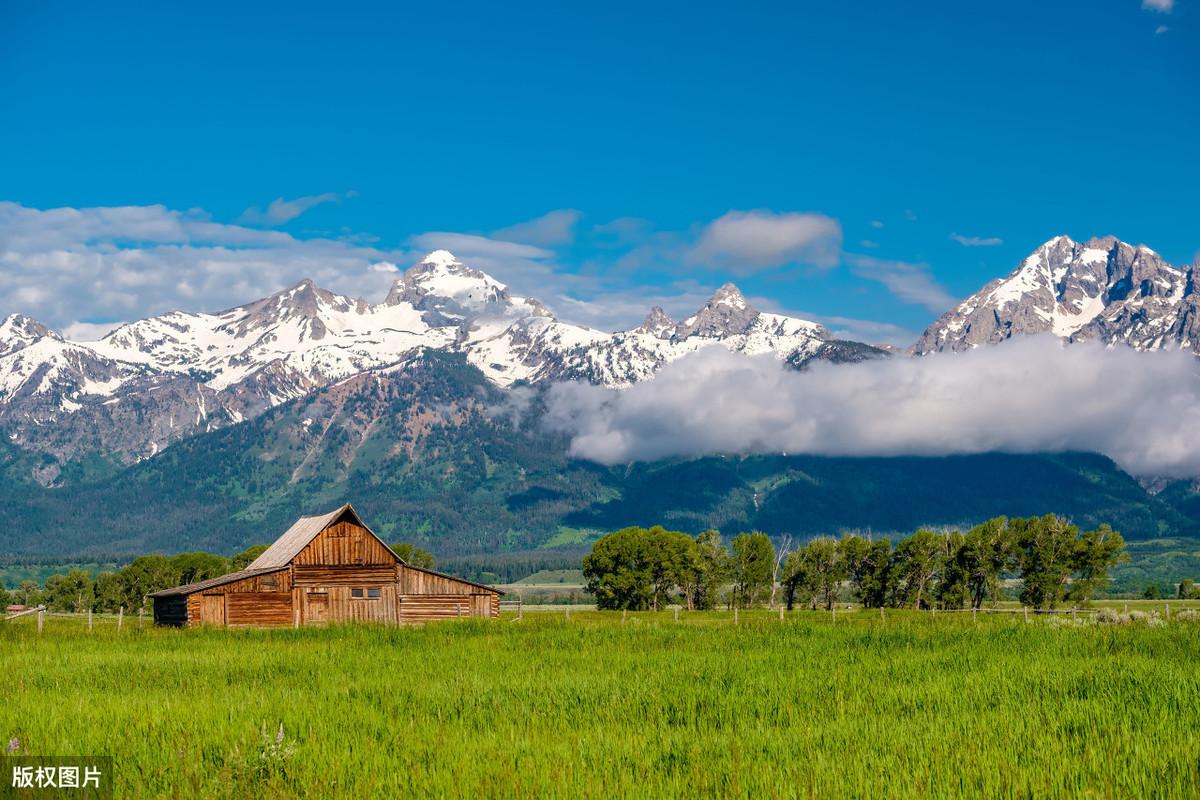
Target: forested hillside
435 454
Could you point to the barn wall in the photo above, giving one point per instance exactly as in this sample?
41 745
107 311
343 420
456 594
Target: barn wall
258 608
345 543
431 607
417 581
314 575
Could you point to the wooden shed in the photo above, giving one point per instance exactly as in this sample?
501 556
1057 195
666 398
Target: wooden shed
331 568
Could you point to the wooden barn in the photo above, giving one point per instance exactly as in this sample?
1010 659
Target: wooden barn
331 568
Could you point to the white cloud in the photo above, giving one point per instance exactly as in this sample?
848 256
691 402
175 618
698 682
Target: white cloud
66 265
1161 29
281 211
557 227
976 241
912 283
1025 396
876 224
870 245
750 241
1162 6
89 331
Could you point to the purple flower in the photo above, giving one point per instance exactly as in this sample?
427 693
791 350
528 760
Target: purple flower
279 736
14 745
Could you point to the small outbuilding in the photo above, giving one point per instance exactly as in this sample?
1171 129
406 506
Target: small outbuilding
331 568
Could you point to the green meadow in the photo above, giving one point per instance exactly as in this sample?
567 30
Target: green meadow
913 705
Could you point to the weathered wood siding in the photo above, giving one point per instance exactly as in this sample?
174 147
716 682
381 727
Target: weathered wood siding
431 607
315 575
344 543
412 580
258 608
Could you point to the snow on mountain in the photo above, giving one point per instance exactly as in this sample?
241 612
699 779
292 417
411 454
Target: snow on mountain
1102 289
151 382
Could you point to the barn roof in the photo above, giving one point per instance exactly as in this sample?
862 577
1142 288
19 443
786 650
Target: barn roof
199 586
297 537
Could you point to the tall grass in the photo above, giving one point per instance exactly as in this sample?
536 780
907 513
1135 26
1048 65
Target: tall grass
914 706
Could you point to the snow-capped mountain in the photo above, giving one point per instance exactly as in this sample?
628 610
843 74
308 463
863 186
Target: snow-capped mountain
1103 289
151 382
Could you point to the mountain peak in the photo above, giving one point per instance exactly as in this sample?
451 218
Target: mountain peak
441 258
1103 289
727 313
18 331
658 323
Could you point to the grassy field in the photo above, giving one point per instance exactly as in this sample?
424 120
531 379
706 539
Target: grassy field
910 706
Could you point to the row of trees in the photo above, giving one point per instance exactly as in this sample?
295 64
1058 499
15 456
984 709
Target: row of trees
127 587
646 568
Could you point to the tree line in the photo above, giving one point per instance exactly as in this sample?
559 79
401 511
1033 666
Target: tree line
647 568
127 588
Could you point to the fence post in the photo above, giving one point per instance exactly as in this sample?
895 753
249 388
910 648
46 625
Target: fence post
520 610
89 620
1026 610
677 613
735 615
972 615
1072 613
568 613
458 609
622 615
881 612
1168 609
40 613
296 618
833 613
140 612
1127 608
120 618
781 613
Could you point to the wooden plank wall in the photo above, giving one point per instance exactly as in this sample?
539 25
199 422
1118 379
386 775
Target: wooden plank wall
431 607
258 608
345 543
416 581
340 606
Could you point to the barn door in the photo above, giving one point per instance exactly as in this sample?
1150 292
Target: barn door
316 608
212 609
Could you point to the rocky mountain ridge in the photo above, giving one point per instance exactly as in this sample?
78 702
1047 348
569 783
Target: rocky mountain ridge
155 381
1103 289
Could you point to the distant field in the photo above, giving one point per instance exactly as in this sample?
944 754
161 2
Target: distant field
915 705
553 577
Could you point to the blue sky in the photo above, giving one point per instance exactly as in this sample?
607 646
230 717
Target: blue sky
822 156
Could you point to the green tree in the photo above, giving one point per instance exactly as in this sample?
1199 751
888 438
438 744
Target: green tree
1096 552
637 568
1152 592
6 597
818 570
412 555
918 560
73 591
867 563
1046 547
988 554
144 575
243 559
1188 590
953 586
711 571
193 567
109 593
752 565
28 593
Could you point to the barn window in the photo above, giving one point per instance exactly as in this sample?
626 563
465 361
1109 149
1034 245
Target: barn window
369 594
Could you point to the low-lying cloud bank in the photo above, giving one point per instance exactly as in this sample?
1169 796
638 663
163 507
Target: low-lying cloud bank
1025 396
